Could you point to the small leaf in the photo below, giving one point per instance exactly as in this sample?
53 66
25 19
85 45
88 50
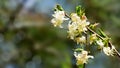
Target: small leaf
106 40
102 33
58 7
79 49
80 10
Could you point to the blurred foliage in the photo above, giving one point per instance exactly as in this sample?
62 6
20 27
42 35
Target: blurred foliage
28 40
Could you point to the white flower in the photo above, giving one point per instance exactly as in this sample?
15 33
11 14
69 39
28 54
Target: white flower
82 25
72 30
59 17
100 43
81 39
109 51
82 57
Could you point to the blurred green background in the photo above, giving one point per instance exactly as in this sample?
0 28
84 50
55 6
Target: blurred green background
29 40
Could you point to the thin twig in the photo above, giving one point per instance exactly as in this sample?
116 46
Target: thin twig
67 15
109 43
95 33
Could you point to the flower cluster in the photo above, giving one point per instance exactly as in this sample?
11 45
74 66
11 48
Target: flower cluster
77 25
81 31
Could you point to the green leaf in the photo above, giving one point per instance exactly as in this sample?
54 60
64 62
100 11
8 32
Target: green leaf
79 49
106 40
92 26
58 7
79 10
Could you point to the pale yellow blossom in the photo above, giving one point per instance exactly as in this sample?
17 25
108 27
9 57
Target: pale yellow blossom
92 38
75 17
82 25
72 30
82 57
109 51
81 39
59 17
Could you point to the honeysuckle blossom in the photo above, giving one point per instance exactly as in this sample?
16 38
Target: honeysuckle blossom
76 26
72 30
81 39
75 17
109 51
59 17
82 57
100 43
82 25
